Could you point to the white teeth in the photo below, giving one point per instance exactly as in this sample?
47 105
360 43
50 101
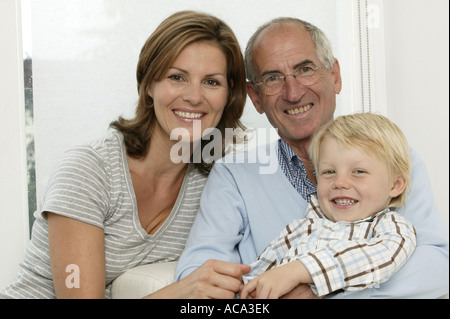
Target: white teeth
299 109
345 202
189 115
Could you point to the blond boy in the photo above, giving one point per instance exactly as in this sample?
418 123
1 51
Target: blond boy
351 237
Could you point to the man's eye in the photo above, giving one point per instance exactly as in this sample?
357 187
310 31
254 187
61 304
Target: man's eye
272 78
306 70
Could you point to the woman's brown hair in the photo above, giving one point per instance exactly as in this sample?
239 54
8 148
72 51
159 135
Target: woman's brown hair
158 54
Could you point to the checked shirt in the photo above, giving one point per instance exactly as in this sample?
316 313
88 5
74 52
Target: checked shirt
341 255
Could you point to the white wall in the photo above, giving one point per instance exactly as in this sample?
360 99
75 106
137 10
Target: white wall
417 79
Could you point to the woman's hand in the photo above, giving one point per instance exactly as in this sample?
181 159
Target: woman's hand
213 280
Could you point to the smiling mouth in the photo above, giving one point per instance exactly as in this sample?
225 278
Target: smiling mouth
189 115
344 201
299 110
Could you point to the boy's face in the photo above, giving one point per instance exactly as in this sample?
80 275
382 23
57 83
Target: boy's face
352 185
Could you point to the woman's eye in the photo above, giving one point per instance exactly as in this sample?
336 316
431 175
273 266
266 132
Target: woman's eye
212 82
176 78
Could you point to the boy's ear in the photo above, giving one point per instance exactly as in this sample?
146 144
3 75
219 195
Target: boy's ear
398 187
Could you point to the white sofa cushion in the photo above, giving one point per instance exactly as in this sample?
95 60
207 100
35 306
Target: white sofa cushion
143 280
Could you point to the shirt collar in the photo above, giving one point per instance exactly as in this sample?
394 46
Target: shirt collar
291 158
287 151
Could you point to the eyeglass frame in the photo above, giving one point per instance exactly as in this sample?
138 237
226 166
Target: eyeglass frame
294 75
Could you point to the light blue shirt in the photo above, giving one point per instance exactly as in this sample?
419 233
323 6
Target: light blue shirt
242 211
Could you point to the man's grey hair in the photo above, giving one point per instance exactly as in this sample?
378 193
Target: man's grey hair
321 42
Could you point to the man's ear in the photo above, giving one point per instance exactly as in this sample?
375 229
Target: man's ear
398 187
336 72
254 96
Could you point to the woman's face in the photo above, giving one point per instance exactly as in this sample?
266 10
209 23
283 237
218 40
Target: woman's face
192 93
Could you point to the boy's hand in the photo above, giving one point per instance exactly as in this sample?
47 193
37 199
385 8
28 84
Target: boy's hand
277 282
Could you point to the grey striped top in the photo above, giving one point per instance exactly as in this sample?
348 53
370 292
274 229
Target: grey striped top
92 184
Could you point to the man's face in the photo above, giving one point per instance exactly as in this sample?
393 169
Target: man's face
297 110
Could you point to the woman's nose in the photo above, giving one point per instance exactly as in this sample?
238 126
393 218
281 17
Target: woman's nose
193 94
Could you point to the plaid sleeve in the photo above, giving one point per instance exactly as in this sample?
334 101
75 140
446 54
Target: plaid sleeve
364 263
279 247
287 241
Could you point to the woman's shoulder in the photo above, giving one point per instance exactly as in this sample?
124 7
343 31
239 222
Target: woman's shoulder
95 163
99 152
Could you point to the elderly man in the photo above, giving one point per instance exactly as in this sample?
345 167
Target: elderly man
294 79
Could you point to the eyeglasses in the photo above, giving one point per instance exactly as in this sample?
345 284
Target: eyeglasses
272 83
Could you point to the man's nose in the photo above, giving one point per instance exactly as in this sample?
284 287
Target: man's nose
292 90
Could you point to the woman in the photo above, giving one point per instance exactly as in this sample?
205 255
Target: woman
123 201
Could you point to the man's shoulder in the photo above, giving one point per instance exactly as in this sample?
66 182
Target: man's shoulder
261 159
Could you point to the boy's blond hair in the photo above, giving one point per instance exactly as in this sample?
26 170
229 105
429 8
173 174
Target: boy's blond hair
373 134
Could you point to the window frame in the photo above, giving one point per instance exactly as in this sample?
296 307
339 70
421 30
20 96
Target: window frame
14 228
